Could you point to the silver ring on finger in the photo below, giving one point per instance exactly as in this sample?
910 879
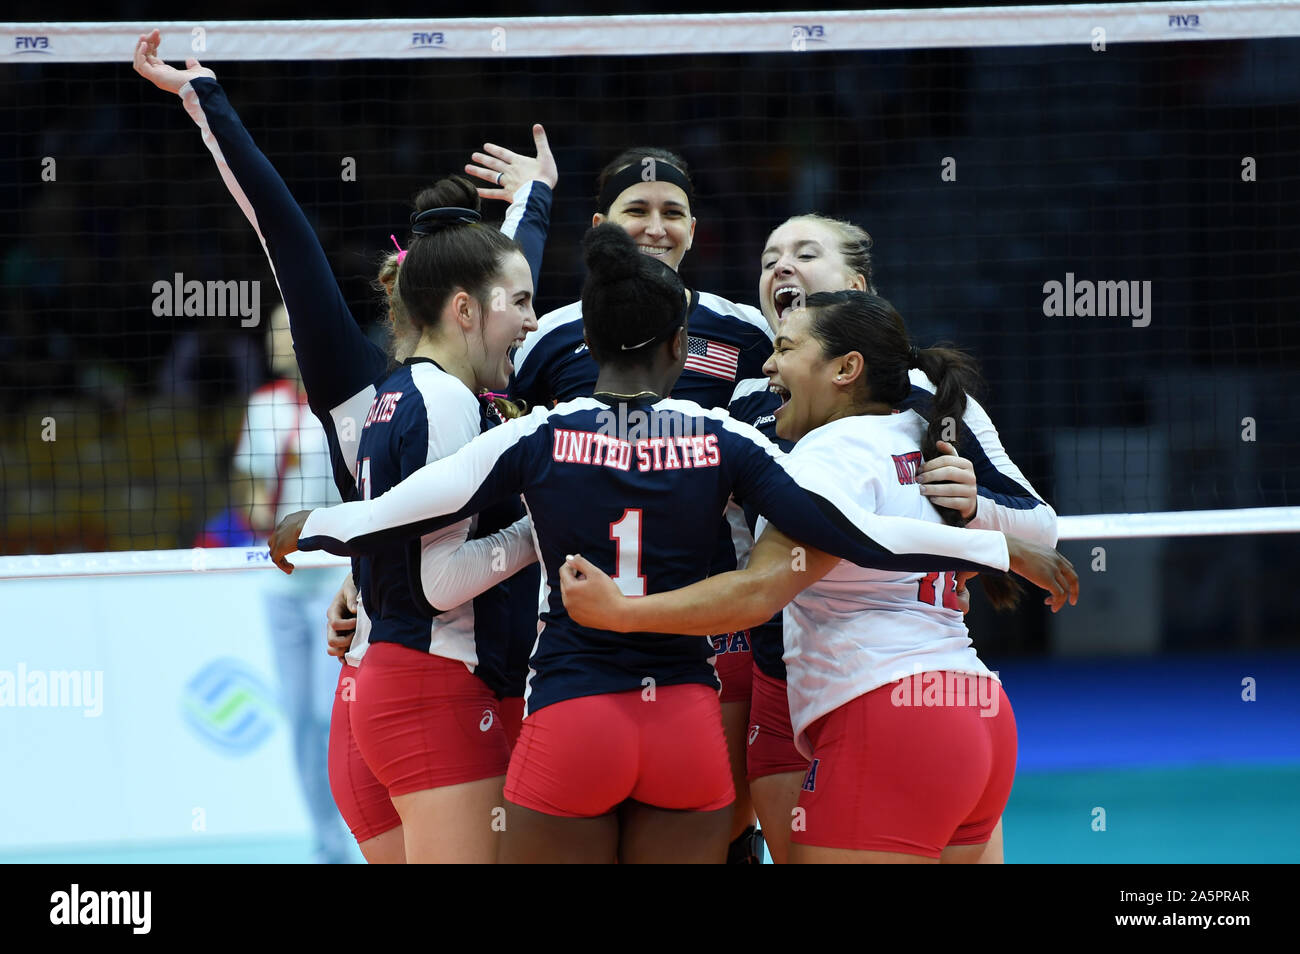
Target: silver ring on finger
500 176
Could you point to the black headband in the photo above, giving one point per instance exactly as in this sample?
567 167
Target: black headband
645 169
431 220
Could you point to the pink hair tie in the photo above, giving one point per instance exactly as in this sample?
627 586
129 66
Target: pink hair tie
490 395
401 252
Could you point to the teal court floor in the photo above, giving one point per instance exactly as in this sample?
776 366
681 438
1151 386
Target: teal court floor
1121 761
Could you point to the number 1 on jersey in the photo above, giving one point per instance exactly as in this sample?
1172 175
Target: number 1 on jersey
626 532
363 479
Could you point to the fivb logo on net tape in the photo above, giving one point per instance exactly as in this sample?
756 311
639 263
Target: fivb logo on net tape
423 40
1185 23
811 32
229 707
31 44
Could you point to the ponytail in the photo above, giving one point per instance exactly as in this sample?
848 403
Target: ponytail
847 321
955 374
507 408
450 249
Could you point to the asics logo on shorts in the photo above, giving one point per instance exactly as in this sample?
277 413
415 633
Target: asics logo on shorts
753 734
810 780
486 722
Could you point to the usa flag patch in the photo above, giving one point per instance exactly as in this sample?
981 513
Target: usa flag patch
712 357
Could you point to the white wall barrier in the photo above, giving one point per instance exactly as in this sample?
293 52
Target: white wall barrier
143 708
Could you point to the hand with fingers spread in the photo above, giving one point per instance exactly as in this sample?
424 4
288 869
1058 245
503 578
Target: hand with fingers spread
590 597
1046 569
949 481
284 539
507 171
169 78
341 618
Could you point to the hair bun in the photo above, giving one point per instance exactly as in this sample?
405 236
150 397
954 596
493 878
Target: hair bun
455 191
610 253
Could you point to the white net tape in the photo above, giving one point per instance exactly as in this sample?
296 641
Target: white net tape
1194 523
223 41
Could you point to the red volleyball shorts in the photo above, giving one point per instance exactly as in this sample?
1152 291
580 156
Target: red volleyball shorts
770 749
582 757
735 665
423 721
902 771
512 717
361 799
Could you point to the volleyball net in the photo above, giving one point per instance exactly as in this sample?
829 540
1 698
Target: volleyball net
1101 202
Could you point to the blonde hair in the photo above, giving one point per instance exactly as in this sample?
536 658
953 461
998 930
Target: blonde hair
387 273
387 280
508 409
855 244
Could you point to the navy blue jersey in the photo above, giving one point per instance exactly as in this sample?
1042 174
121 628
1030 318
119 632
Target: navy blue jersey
423 414
755 404
637 488
523 589
342 369
340 366
727 343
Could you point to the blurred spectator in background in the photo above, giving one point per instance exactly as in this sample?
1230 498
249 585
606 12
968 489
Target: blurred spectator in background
203 364
282 465
229 528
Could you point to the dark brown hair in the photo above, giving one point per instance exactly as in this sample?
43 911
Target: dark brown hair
845 321
634 156
454 255
630 301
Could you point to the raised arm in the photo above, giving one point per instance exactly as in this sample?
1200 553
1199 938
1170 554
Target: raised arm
528 221
338 363
527 183
336 359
